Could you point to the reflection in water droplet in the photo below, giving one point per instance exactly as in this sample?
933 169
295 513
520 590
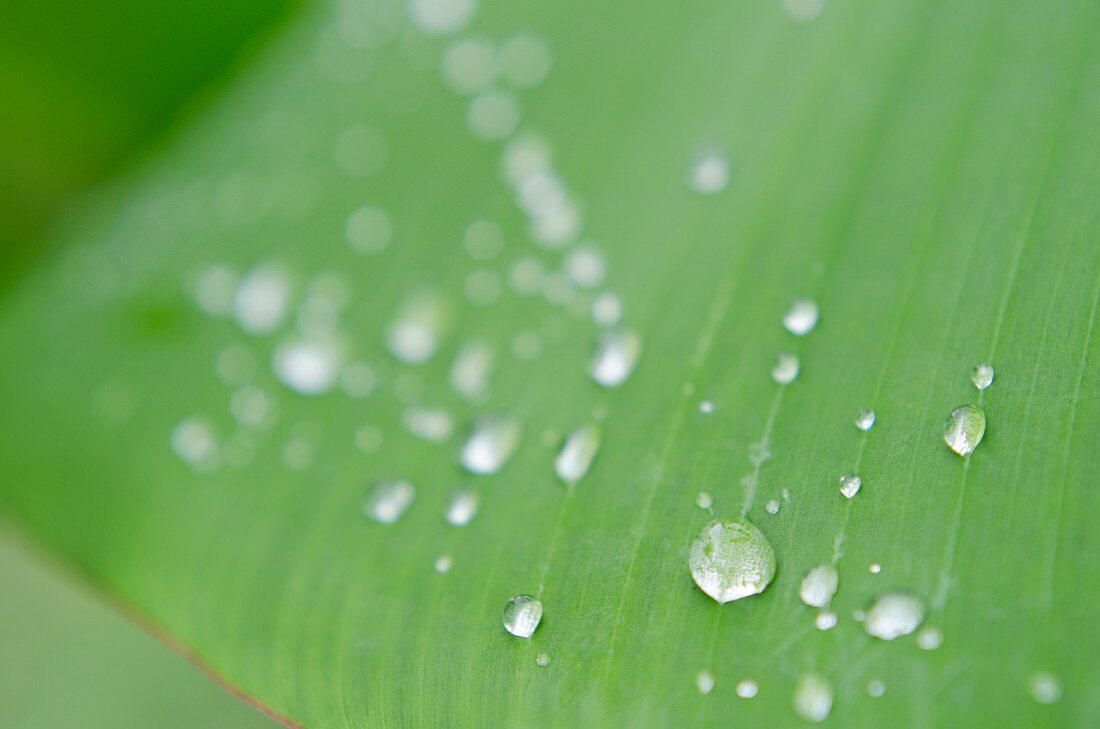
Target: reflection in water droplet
1045 688
710 174
704 500
865 420
463 508
747 688
731 559
704 682
786 369
850 485
893 615
929 639
813 698
193 441
491 443
964 429
825 620
430 424
876 688
522 615
819 585
616 357
309 367
389 501
801 318
982 377
260 303
576 455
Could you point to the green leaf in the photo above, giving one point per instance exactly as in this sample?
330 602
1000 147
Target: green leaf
925 171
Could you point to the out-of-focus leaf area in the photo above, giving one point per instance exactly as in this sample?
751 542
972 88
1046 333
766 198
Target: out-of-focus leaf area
86 84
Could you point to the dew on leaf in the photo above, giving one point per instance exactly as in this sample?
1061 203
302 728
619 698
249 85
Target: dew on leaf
470 372
772 507
490 444
542 659
585 267
526 275
704 682
706 407
710 174
307 367
250 405
443 564
414 334
850 485
430 424
368 229
819 585
1044 687
865 420
522 615
525 60
607 310
493 115
801 318
747 688
704 500
616 356
964 429
813 698
194 442
786 369
576 455
874 568
982 376
260 302
730 560
893 615
876 688
469 65
825 620
389 501
525 155
462 509
929 639
441 17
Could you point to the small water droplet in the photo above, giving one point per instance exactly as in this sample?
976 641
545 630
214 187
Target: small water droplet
389 501
260 303
526 346
825 620
786 369
772 507
414 334
607 309
813 698
731 559
525 60
786 494
1045 688
463 508
368 230
616 357
522 615
893 615
441 17
576 455
557 289
492 441
929 639
704 681
443 564
865 420
801 318
469 65
525 155
250 405
214 289
982 377
876 688
482 288
193 441
747 688
585 267
706 407
850 485
493 114
432 425
470 372
542 659
710 174
874 568
819 585
704 500
309 367
357 379
964 429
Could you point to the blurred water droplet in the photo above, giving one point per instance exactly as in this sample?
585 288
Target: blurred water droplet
876 688
430 424
368 439
616 356
214 289
710 174
482 288
801 318
865 420
525 60
443 564
982 377
576 455
704 500
250 406
803 11
194 442
1045 688
747 688
786 369
469 65
463 508
585 267
772 507
440 17
813 698
522 615
260 302
964 429
825 620
557 289
414 334
389 501
235 365
368 230
929 639
483 240
307 367
491 443
893 615
360 151
542 659
526 346
874 568
526 275
607 309
819 585
493 115
357 379
704 682
525 155
731 559
470 372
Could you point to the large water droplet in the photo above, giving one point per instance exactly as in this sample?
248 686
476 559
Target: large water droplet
786 369
801 318
893 615
982 376
865 420
1045 688
731 559
964 429
522 615
616 357
389 501
576 455
813 698
490 444
850 485
819 585
463 508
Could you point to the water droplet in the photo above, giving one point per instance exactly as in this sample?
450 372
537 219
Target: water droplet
469 65
1045 688
214 288
443 564
616 357
557 289
542 659
522 615
463 508
982 377
825 620
430 424
414 334
893 615
308 367
389 501
731 559
493 115
813 698
747 688
607 309
704 500
250 405
360 151
483 240
525 60
261 300
357 379
585 267
876 688
819 585
786 369
470 372
193 441
440 17
710 174
874 568
929 639
526 275
704 681
801 318
865 420
850 485
368 230
772 507
964 429
525 155
576 455
491 443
